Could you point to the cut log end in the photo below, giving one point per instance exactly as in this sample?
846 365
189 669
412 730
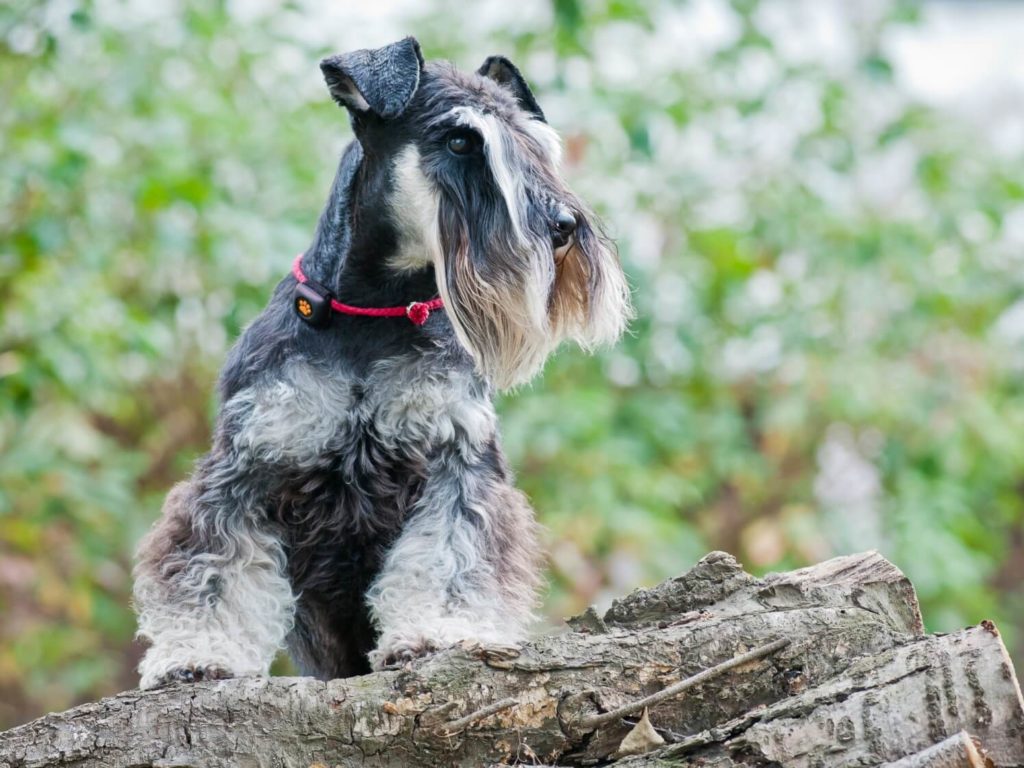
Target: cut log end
958 751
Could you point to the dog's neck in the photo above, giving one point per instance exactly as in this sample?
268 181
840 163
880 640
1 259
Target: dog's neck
354 245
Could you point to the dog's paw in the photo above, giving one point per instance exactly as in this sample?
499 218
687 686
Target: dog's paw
400 651
193 674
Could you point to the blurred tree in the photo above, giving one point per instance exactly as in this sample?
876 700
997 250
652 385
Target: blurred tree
828 276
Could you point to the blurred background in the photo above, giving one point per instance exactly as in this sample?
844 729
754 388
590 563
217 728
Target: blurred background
820 205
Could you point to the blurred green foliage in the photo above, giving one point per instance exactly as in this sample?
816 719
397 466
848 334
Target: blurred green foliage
827 358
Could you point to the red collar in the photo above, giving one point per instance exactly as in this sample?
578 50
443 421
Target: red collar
309 303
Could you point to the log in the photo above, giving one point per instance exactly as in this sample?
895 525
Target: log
837 671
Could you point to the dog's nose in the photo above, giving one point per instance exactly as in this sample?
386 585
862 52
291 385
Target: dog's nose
562 227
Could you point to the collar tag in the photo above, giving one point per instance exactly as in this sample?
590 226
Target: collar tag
312 303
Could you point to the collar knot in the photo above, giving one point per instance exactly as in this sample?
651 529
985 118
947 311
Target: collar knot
418 312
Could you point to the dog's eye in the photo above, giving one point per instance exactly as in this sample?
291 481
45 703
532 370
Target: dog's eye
463 142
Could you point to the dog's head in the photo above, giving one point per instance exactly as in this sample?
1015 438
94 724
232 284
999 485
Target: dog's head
470 176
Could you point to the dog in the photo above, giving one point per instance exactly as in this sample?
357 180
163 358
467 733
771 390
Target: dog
355 506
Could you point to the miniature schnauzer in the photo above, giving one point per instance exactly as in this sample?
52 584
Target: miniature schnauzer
356 506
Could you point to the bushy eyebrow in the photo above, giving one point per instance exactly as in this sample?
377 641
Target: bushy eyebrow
498 151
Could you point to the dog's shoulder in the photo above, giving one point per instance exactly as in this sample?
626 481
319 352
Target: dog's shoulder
293 413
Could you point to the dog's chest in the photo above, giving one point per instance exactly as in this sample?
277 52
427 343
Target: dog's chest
308 418
342 460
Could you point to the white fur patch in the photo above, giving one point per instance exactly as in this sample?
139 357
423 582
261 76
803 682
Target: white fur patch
414 211
293 418
418 408
548 138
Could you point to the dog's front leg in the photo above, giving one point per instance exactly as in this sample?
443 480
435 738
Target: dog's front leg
209 589
463 568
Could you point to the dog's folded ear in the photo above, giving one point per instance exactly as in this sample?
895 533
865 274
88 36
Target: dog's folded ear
378 80
504 72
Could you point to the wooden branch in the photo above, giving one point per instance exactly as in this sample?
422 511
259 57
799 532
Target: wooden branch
455 726
857 683
604 718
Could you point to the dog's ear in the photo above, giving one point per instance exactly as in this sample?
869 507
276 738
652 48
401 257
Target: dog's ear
378 80
504 72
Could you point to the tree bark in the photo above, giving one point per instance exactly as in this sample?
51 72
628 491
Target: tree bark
841 674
